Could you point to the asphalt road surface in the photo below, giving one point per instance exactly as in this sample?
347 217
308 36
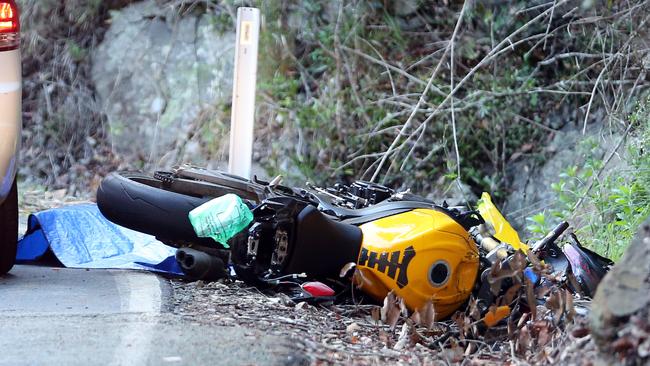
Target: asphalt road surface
59 316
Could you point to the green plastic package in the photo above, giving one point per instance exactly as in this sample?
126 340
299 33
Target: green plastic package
221 218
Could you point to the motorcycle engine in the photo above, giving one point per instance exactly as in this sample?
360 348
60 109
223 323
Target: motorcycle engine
372 192
359 194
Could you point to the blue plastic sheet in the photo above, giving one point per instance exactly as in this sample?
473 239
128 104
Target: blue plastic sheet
80 237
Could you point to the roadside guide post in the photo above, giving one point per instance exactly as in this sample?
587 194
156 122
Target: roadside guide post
243 96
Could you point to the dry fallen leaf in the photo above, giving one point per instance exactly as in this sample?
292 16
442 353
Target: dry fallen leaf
495 276
581 332
359 279
353 327
511 294
542 291
523 320
524 340
403 339
474 312
537 265
562 307
553 303
384 338
375 313
462 323
568 305
511 328
402 307
391 310
427 315
518 262
543 333
530 298
415 318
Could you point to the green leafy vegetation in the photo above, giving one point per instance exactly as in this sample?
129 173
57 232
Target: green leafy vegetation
606 206
349 74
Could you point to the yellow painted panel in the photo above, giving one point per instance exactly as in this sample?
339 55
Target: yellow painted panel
400 251
504 231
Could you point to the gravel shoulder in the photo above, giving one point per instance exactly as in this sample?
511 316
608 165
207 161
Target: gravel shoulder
348 334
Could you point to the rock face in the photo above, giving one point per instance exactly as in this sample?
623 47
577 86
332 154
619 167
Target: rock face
620 317
158 74
531 180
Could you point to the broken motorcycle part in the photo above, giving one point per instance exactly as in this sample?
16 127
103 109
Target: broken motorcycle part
420 251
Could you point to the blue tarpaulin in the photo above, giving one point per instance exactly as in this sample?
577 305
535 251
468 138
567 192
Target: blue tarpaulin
80 237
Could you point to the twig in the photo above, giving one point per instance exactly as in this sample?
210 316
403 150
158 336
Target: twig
337 78
493 53
611 59
409 121
537 124
560 56
364 156
534 7
593 94
548 27
605 162
303 73
385 64
453 119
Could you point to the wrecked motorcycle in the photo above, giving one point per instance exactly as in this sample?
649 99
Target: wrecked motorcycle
396 241
417 249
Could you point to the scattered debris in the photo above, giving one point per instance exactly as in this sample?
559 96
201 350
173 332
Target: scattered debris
354 334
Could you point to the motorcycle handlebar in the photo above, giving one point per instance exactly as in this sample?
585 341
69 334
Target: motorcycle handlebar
551 236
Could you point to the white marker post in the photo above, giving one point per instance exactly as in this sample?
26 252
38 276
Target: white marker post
243 94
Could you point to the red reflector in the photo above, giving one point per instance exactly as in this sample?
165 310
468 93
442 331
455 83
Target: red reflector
317 289
8 18
6 12
9 25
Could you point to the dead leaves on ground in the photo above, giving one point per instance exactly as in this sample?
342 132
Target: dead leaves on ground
425 316
524 316
530 326
560 302
393 307
418 328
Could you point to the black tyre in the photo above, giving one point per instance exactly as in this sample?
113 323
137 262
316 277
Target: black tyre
8 230
143 203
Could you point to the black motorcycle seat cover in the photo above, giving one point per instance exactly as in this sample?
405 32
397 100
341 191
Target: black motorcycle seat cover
381 209
322 246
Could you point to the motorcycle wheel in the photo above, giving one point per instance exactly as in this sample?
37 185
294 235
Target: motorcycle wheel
8 230
143 203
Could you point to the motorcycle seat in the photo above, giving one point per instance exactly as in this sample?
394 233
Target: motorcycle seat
322 246
370 213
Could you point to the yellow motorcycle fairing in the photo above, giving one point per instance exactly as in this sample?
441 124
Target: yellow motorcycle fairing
421 255
503 230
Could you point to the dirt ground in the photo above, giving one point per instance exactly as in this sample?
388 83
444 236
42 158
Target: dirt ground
349 334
